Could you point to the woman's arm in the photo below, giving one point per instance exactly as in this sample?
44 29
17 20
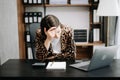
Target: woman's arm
40 48
42 53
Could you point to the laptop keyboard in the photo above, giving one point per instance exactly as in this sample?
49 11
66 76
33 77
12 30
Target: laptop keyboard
85 66
86 63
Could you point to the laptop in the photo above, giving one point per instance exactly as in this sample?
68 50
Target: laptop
101 57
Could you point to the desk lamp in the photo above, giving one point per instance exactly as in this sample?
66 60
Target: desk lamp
108 8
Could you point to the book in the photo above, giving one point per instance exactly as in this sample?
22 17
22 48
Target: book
56 65
96 36
80 35
95 16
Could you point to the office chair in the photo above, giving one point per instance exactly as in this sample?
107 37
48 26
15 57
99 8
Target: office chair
33 27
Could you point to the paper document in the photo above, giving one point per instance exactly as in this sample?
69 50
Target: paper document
56 65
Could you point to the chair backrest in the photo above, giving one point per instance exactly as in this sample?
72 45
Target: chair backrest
33 28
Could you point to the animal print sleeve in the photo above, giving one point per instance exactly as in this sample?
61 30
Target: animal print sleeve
41 51
68 54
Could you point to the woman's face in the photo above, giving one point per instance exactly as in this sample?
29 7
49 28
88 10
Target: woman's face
57 32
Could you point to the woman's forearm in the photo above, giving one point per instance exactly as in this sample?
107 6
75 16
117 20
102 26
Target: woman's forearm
47 43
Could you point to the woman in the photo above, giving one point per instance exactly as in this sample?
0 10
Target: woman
54 41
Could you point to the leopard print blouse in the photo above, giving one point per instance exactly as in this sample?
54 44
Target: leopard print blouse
67 46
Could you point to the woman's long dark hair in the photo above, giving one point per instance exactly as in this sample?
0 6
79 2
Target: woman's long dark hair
47 22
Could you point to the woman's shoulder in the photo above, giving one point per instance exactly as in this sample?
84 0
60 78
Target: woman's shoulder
38 32
66 28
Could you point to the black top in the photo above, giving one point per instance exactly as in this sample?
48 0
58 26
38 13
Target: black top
16 68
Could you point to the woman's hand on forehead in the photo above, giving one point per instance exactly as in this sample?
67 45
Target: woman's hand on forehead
52 28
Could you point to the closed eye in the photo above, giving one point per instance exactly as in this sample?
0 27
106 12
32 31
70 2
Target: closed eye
58 32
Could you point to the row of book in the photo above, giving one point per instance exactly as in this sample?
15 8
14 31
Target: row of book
32 17
71 1
57 1
81 35
32 1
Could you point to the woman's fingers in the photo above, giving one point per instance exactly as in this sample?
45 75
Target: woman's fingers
50 33
52 29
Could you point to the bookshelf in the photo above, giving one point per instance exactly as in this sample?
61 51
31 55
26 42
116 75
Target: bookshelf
84 50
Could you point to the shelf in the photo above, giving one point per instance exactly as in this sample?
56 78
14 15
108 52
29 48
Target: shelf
96 25
89 44
68 5
33 5
58 5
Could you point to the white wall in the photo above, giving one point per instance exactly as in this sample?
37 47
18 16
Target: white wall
76 17
8 30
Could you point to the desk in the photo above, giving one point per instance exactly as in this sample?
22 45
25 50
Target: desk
85 50
23 68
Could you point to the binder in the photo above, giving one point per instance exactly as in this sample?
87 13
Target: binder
25 1
35 20
30 2
30 17
26 14
91 35
29 53
39 16
96 35
27 36
34 1
39 1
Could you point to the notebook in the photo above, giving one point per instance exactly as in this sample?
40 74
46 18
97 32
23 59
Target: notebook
101 57
56 65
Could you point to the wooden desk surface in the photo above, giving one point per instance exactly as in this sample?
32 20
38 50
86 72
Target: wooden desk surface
23 68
